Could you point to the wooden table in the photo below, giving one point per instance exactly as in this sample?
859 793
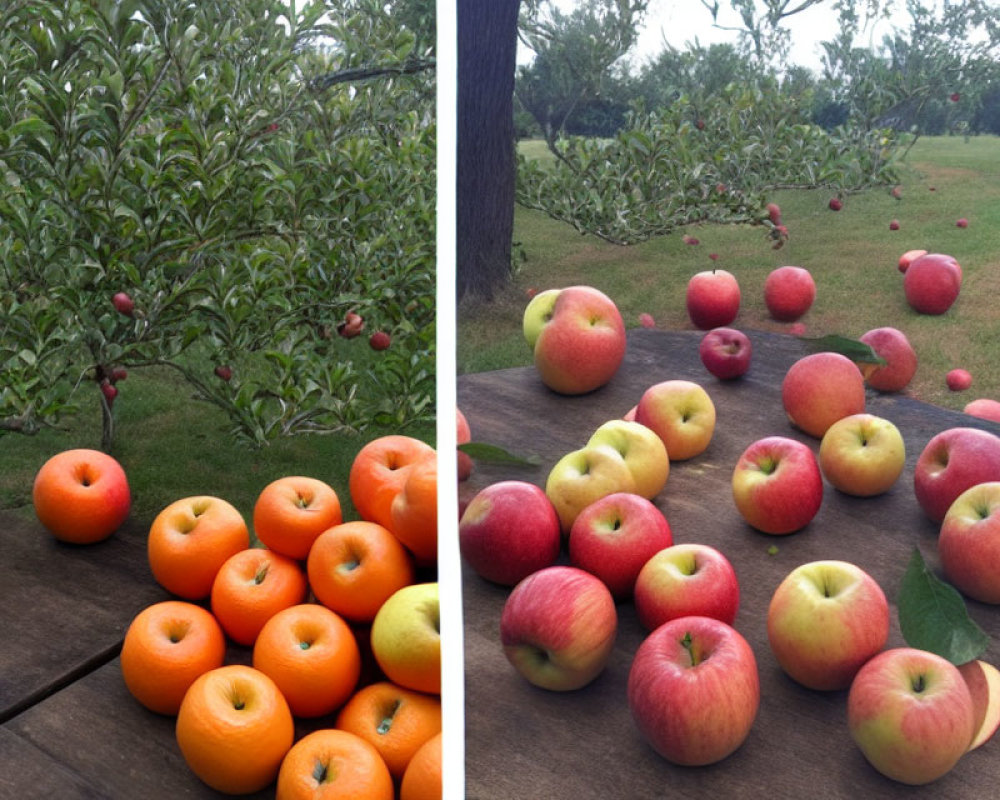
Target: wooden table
522 741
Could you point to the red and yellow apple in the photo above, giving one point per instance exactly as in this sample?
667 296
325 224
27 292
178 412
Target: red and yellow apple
819 389
862 455
952 461
892 346
641 449
932 282
583 476
969 542
712 298
789 293
777 485
681 413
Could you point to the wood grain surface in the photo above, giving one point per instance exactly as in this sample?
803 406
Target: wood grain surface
522 741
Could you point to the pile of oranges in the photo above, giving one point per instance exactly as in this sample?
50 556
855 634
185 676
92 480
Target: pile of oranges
314 601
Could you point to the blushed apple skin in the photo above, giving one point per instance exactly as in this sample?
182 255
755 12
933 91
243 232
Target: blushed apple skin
862 455
984 408
952 461
932 283
821 388
891 345
712 299
777 485
726 353
681 413
789 293
969 542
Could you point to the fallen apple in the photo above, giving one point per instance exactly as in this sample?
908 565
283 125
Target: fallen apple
712 299
725 352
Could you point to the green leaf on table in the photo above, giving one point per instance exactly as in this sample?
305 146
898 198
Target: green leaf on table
492 454
854 349
932 615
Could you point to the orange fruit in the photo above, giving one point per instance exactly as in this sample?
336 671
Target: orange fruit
167 646
190 539
463 436
379 471
234 728
291 512
313 657
396 720
422 779
414 512
81 496
333 765
406 638
251 587
356 566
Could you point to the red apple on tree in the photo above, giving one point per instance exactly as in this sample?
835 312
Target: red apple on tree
694 690
352 325
952 461
712 298
892 346
725 352
686 580
224 372
109 392
777 485
789 293
380 340
123 304
615 536
821 388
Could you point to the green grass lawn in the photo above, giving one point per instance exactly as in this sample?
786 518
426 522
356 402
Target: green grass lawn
852 255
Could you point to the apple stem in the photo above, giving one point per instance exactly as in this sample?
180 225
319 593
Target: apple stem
261 574
386 724
919 684
320 772
688 645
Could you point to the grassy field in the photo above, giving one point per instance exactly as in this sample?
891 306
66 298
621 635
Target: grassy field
852 255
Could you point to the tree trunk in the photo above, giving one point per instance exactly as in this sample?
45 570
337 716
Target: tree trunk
487 54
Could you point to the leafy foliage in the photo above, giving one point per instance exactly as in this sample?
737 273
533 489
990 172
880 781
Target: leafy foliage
183 154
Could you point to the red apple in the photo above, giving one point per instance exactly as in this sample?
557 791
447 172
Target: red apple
646 320
380 340
777 485
962 223
825 620
955 97
725 352
578 338
615 536
224 372
958 380
909 257
789 293
688 239
892 346
109 392
954 460
123 304
894 225
774 213
969 542
686 580
821 388
835 204
508 531
118 374
932 282
983 408
713 299
463 435
558 628
352 325
694 690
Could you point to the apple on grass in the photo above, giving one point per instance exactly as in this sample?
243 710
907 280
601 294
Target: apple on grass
583 476
909 257
725 352
615 536
932 282
954 460
824 621
958 380
862 455
777 485
681 413
694 690
969 542
686 580
712 299
642 451
558 628
509 530
983 681
821 388
789 293
577 336
892 346
911 714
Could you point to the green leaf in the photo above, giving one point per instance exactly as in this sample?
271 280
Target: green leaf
492 454
932 616
852 348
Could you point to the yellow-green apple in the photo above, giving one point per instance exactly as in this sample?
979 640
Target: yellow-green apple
789 293
463 436
952 461
681 413
81 495
725 352
825 620
819 389
911 714
558 627
892 346
694 690
712 298
642 450
583 476
983 408
969 542
932 282
509 530
862 454
983 681
777 485
958 380
685 580
406 637
613 537
578 338
909 257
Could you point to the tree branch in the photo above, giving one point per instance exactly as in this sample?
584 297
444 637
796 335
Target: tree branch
367 73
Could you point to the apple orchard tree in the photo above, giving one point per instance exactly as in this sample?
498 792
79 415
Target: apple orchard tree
248 173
